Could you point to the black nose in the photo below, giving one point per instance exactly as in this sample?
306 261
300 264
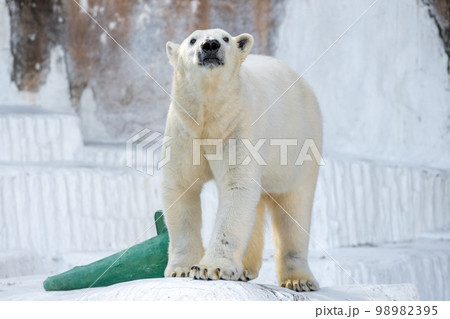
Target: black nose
211 46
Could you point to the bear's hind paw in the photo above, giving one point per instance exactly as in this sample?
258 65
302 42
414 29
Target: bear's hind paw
300 285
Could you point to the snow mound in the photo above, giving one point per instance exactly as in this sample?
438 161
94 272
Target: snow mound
30 288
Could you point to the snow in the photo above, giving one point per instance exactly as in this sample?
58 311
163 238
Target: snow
29 134
87 113
186 289
422 262
194 6
76 207
103 154
14 263
55 94
359 202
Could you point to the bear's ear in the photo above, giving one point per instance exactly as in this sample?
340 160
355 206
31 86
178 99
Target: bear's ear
244 42
172 52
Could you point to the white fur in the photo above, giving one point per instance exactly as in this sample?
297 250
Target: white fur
223 102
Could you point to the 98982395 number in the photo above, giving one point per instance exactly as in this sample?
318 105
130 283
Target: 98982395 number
406 310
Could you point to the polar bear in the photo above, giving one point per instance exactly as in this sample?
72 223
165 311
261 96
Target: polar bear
242 108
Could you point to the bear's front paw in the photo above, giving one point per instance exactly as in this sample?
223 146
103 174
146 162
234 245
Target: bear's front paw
177 272
218 269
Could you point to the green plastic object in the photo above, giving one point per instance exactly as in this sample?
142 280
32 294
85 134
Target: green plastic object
144 260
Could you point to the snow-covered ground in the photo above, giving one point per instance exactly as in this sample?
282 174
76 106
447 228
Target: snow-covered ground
174 289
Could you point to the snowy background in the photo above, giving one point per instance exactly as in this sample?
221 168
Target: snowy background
70 98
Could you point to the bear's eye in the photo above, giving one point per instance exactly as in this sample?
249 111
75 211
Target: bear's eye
193 41
226 39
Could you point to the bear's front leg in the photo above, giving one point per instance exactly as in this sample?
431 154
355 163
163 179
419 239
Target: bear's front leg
238 198
183 219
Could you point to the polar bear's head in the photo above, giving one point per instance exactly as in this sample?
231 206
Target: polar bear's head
209 50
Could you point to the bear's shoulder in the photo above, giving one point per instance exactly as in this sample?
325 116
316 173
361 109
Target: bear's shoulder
266 67
260 60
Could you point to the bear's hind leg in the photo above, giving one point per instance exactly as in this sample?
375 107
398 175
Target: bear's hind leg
291 216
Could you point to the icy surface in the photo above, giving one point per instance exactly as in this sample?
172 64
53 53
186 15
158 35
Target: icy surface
54 209
14 263
187 289
361 202
28 134
103 154
383 87
54 94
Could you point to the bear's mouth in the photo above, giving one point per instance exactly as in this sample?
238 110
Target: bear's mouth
211 61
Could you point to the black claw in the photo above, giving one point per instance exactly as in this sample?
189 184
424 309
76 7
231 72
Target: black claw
182 274
303 286
311 285
173 274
